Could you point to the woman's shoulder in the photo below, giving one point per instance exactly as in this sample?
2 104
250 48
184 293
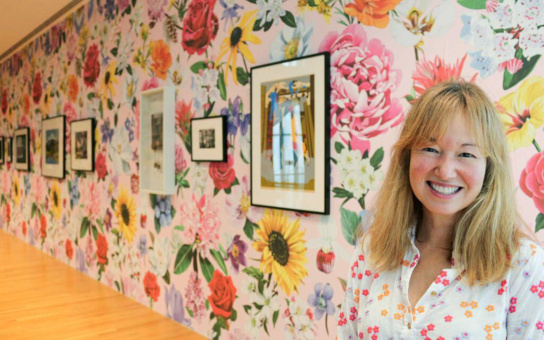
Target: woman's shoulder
530 256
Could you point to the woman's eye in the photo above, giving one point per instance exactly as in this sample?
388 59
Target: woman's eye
430 150
468 155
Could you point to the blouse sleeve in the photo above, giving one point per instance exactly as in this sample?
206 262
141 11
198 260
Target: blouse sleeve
525 318
348 313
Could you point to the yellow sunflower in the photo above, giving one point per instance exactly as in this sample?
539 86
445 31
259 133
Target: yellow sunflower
237 41
16 188
125 211
283 248
56 201
108 80
522 112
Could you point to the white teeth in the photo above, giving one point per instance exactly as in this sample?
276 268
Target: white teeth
444 190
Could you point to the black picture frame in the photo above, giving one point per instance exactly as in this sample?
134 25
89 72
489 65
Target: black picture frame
9 149
209 139
21 147
82 143
2 150
53 147
290 134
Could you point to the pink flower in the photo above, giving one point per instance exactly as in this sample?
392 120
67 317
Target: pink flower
180 159
531 180
155 9
362 81
429 73
194 297
239 206
201 220
151 83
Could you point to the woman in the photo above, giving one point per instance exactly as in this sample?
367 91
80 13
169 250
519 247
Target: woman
444 258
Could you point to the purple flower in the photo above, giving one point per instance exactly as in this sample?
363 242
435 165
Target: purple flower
174 306
236 252
235 117
230 12
107 219
321 300
80 261
142 245
107 132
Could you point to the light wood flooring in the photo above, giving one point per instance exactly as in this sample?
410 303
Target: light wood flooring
43 298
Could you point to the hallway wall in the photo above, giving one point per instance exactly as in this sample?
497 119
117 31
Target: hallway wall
200 256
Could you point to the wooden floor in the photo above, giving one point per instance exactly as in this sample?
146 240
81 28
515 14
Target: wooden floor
42 298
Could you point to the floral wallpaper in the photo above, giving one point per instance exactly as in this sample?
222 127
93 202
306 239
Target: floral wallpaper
205 257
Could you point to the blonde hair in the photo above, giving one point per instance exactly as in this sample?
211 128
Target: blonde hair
486 236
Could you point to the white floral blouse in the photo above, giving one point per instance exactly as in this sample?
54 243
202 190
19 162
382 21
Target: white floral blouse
376 305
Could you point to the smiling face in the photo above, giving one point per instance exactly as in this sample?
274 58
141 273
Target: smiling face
447 175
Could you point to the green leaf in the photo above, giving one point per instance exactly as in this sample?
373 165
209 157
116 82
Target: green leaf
34 208
157 225
472 4
207 268
275 317
114 51
234 315
254 272
190 312
509 80
252 1
268 25
257 25
219 259
152 200
179 227
222 86
289 19
243 76
95 232
110 104
342 193
249 229
166 277
129 70
338 147
183 258
84 226
215 192
377 158
112 203
350 223
247 308
200 65
343 283
227 191
539 222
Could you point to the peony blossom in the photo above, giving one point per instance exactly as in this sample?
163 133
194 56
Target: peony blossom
531 181
362 82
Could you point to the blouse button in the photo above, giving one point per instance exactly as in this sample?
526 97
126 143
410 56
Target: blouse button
433 294
409 325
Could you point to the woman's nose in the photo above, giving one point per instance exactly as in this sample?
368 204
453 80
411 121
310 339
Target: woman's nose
446 167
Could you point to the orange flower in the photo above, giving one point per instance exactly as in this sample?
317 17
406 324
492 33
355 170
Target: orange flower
73 88
162 59
371 12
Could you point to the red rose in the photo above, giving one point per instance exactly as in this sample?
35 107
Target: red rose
91 69
151 286
223 173
199 26
102 249
4 101
135 183
101 169
223 294
37 88
69 249
532 182
23 226
7 213
43 226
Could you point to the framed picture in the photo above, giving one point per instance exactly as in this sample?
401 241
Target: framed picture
53 148
21 141
157 133
290 134
209 139
2 151
82 144
9 150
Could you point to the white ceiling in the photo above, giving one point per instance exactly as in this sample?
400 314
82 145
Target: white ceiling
18 18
